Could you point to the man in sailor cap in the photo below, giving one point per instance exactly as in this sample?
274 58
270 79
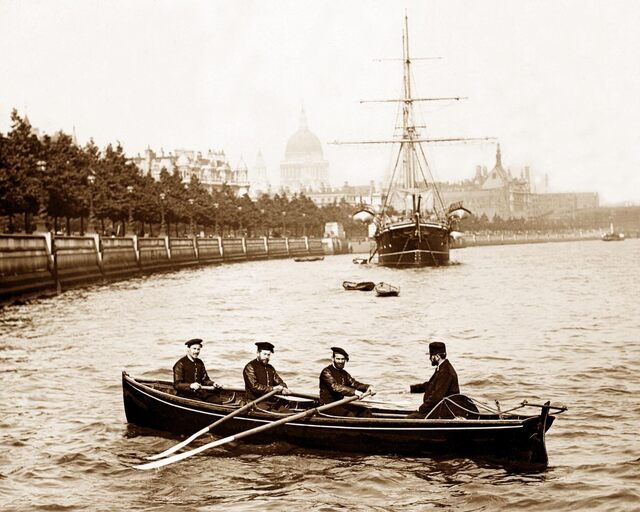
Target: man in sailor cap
336 383
443 382
259 376
190 374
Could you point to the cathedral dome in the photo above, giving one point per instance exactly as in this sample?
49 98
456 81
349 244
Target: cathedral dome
303 143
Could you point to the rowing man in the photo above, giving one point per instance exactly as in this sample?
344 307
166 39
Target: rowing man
259 376
190 375
336 383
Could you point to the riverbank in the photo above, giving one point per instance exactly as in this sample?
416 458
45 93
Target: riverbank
36 265
507 238
496 238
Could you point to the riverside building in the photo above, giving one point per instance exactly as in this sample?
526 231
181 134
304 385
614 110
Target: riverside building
211 168
498 193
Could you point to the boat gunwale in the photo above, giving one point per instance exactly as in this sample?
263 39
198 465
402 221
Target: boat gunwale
325 420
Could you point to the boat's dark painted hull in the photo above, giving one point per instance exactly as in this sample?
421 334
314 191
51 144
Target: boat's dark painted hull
402 245
363 286
150 404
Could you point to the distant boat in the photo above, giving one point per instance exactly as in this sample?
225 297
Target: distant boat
361 261
363 286
387 290
413 226
612 236
309 258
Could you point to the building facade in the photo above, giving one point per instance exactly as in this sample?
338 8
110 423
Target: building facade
212 169
495 194
304 167
499 194
258 178
354 195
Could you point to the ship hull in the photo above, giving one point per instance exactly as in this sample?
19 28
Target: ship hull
405 245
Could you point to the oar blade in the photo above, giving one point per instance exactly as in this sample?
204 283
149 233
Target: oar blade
178 446
193 437
180 456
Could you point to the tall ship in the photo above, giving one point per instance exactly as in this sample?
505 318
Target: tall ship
413 226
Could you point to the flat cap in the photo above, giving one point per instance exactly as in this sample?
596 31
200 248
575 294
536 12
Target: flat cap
338 350
265 345
193 341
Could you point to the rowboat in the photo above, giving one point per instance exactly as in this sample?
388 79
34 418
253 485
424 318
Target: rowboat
309 258
467 431
387 290
360 261
363 286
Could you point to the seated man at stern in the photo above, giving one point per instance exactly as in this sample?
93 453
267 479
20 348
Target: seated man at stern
443 382
190 375
336 383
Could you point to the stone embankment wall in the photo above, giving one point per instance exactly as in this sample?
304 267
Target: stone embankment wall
473 240
32 265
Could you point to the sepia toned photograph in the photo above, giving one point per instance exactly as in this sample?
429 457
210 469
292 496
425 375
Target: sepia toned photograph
298 255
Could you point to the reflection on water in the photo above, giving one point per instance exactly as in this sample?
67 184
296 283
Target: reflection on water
551 321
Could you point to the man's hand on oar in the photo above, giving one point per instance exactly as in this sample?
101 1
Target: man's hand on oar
180 456
193 437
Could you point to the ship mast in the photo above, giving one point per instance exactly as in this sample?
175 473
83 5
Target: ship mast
408 131
406 176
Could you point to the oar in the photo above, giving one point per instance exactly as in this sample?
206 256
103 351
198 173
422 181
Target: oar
262 428
187 441
373 254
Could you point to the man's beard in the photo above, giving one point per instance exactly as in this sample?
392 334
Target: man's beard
340 366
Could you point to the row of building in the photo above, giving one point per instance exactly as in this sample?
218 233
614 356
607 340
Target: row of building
494 193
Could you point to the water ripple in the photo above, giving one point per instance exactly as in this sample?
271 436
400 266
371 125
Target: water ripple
519 322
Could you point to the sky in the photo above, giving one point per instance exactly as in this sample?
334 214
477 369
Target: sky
556 82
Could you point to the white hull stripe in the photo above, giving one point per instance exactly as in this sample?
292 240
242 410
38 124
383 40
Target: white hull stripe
310 425
412 225
411 252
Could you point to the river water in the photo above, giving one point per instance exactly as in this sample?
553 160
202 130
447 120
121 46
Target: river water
557 321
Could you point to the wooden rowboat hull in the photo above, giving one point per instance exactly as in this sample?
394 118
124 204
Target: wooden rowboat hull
153 404
363 286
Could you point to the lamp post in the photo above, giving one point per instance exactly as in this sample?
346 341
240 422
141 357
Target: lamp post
240 218
191 227
91 179
284 226
264 232
304 224
215 220
130 222
163 227
41 216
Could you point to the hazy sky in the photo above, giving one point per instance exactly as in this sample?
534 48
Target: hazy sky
556 82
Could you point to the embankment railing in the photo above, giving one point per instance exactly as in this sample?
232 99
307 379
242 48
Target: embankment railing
39 264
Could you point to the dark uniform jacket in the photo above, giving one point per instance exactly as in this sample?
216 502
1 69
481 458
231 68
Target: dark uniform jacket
443 382
186 372
336 384
259 379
